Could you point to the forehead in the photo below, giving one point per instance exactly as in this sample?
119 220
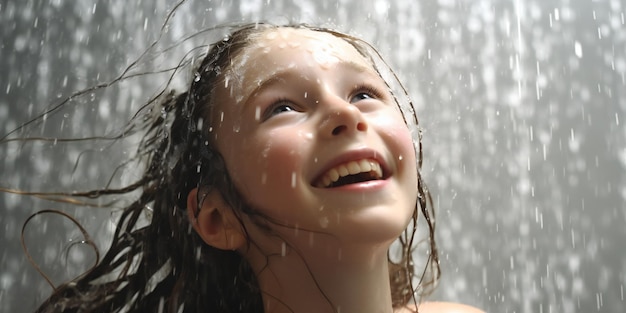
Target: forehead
280 49
323 47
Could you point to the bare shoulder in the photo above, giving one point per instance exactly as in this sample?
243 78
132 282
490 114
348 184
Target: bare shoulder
440 307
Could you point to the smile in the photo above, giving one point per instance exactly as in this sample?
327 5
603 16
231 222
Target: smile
350 173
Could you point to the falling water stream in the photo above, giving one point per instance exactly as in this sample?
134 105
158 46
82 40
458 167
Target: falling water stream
522 103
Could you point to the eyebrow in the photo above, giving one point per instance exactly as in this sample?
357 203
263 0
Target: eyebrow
281 75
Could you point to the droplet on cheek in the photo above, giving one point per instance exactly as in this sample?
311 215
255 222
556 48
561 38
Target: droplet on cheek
400 158
283 249
324 221
305 135
266 151
293 180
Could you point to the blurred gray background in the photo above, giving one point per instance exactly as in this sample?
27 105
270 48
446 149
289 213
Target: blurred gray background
523 105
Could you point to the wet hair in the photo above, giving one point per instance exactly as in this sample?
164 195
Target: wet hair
165 265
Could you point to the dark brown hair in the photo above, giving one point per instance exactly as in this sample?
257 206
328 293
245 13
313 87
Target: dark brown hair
165 265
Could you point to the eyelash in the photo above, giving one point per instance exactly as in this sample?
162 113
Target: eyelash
373 92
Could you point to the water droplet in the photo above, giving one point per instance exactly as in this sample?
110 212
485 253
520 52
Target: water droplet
293 180
283 249
271 35
556 14
578 49
324 221
200 123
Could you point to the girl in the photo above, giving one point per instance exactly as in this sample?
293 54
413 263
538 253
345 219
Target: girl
278 182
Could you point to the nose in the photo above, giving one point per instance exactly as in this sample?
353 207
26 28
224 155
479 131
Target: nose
342 118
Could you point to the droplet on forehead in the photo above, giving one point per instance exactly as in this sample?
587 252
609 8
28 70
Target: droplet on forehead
271 35
324 57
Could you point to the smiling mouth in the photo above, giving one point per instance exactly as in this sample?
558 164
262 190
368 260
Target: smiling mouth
350 173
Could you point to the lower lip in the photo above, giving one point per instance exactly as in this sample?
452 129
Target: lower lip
372 185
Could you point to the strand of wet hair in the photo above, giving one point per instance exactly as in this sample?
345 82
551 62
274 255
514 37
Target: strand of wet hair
87 240
120 77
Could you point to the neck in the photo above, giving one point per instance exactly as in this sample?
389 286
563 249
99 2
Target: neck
336 280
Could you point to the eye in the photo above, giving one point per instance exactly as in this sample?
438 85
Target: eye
361 96
279 107
364 93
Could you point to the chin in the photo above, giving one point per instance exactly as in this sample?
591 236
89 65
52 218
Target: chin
374 225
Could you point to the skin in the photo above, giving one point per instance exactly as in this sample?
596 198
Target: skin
282 153
296 103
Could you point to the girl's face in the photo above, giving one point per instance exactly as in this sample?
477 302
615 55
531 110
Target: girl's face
312 138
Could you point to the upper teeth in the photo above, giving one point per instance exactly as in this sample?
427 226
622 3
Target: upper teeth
350 168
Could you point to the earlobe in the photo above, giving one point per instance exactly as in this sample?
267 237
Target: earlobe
214 220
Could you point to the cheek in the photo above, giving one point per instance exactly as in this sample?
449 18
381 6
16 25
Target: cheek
398 136
269 168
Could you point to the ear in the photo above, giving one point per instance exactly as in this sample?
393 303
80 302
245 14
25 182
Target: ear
215 220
